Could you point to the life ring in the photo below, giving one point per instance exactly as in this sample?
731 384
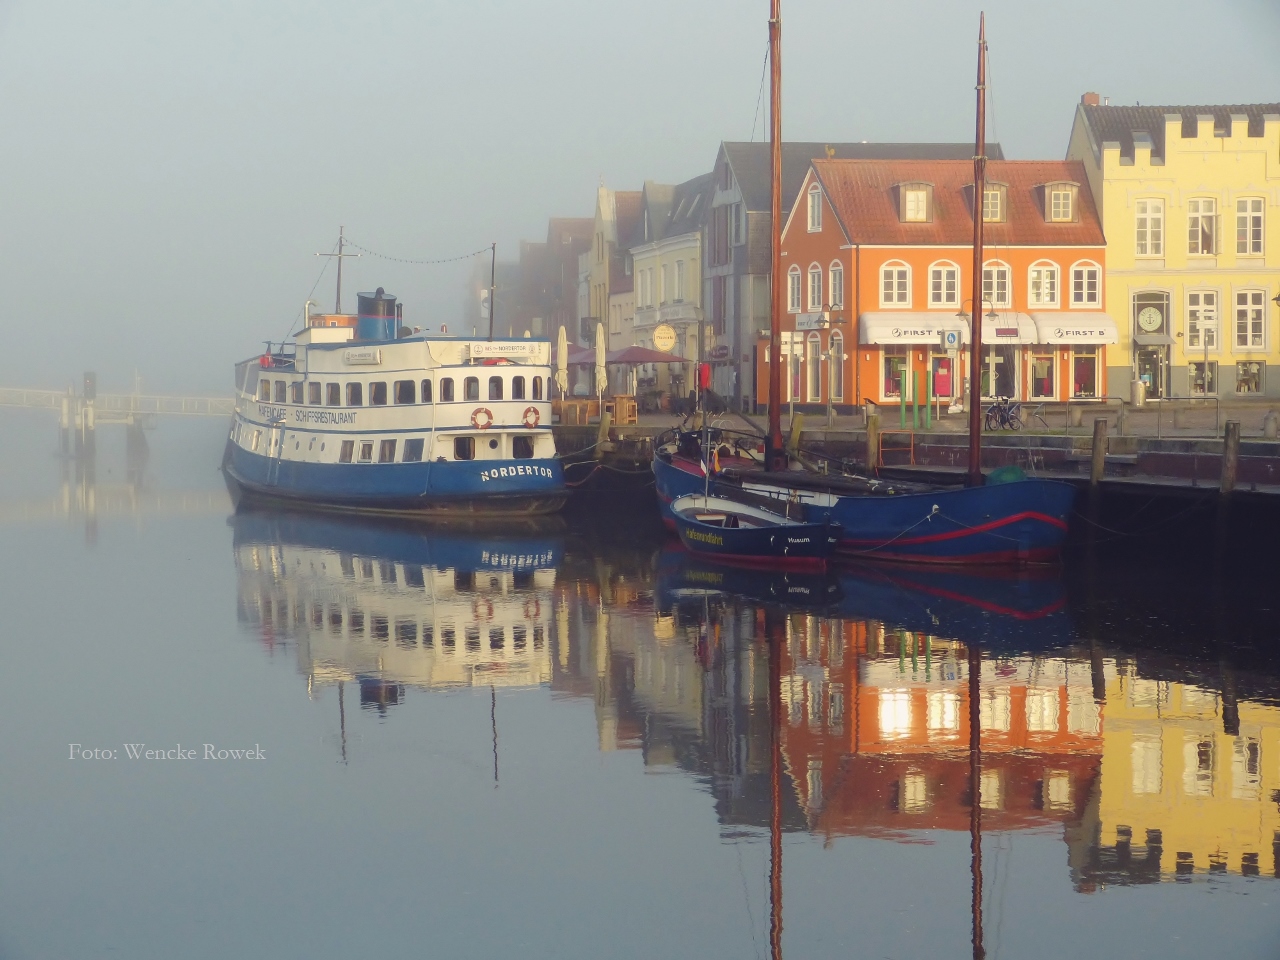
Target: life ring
531 417
482 418
482 608
264 360
532 609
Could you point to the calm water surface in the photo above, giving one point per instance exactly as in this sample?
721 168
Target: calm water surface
572 740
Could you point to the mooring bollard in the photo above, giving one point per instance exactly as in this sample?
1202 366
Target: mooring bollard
1230 457
1121 419
1271 425
873 441
1075 415
1098 465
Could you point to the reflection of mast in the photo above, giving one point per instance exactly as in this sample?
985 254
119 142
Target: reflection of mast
975 794
493 721
342 722
776 636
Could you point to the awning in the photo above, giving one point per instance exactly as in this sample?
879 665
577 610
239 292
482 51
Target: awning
905 326
1063 326
1007 327
1153 339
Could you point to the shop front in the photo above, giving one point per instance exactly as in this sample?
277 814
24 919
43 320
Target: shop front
901 354
1069 356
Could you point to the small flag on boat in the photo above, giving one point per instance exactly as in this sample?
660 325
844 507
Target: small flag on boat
715 460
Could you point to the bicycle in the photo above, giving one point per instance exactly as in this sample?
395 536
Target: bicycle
1004 414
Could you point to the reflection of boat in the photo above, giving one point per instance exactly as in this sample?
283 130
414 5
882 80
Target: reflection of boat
740 533
1001 610
683 575
393 605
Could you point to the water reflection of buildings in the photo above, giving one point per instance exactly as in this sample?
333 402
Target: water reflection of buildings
1142 783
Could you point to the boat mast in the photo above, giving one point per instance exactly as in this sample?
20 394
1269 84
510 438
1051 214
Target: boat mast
975 322
775 458
342 240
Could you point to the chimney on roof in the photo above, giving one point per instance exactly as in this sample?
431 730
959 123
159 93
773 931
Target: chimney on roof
1090 99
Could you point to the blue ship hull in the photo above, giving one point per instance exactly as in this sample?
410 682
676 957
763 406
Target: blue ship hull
491 488
1015 523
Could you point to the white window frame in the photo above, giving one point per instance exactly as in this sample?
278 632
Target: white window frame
1085 301
1038 274
990 190
815 287
815 209
813 359
1198 323
939 296
679 298
793 289
1149 227
993 271
1064 195
915 205
1202 227
1254 306
835 376
1250 226
664 283
835 284
898 288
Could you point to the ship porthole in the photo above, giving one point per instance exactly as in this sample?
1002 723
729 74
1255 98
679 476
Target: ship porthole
493 444
322 448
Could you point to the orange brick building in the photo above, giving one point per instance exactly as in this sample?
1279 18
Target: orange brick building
878 259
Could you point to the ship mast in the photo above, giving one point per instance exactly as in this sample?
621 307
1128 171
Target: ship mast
975 322
342 240
775 457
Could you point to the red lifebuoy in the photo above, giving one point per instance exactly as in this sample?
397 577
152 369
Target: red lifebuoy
531 417
264 361
482 418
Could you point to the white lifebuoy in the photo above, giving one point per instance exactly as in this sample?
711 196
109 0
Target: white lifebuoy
531 417
482 418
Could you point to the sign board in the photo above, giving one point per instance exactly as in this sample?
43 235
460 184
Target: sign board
810 321
664 337
719 353
501 349
362 355
950 339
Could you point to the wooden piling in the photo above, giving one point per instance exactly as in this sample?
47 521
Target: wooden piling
873 441
1230 457
1099 464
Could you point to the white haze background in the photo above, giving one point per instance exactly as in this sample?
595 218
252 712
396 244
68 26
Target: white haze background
169 168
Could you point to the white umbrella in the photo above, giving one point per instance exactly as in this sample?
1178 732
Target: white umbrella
562 363
602 374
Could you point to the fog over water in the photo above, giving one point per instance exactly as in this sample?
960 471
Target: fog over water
170 169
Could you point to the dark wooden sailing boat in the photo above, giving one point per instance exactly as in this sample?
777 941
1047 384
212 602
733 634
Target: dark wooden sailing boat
1010 520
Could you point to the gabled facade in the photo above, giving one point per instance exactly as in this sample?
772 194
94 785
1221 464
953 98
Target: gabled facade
1190 200
735 245
878 257
609 263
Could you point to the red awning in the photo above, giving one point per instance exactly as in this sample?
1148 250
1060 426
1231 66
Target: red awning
634 355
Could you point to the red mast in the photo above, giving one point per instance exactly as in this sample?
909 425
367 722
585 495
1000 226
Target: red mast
975 339
775 456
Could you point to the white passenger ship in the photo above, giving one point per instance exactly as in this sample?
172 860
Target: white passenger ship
362 414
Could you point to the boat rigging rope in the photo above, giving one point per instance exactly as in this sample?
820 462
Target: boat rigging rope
383 256
927 517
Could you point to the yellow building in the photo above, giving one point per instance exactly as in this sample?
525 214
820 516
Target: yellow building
1179 795
1189 200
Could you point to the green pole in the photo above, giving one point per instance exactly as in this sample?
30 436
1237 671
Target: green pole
915 399
902 399
928 399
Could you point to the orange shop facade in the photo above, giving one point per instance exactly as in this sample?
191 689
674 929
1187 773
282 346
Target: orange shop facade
890 321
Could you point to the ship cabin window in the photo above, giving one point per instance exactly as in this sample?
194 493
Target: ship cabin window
517 388
313 393
537 388
355 395
348 448
280 391
366 451
378 394
446 390
405 392
426 391
522 447
257 436
387 451
464 448
495 388
413 450
295 392
333 394
471 388
264 390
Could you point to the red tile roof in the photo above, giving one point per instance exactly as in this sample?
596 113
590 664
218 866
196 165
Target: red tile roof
863 196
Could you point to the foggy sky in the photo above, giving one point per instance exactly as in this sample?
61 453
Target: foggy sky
170 168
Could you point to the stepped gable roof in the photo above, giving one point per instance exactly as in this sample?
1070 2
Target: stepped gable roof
863 194
1117 124
750 162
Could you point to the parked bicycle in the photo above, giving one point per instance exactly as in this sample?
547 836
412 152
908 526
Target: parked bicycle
1004 414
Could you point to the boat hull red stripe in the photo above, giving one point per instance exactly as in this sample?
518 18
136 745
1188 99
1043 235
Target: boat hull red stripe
966 532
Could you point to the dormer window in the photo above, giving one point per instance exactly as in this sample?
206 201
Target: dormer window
994 206
915 203
815 209
1060 202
